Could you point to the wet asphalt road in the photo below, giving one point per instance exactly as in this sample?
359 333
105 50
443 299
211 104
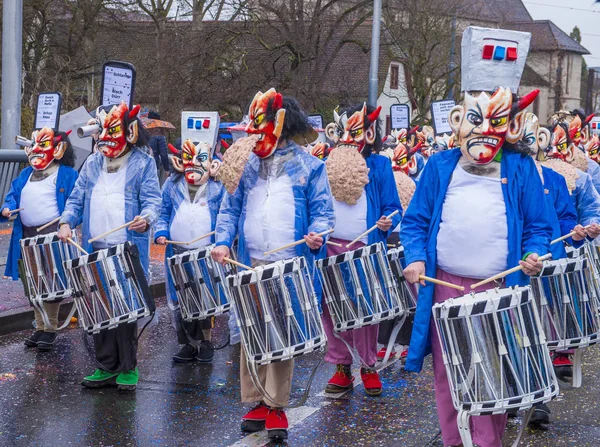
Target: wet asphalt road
42 403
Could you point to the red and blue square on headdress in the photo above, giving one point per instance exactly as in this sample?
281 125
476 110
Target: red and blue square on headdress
499 50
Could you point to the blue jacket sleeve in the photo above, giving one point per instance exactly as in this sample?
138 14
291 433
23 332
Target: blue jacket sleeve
161 228
229 217
390 201
150 193
594 172
73 212
565 210
321 216
414 230
12 199
588 200
537 229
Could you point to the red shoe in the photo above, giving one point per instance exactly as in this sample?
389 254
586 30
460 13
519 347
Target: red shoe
277 425
342 380
561 360
381 354
371 381
255 419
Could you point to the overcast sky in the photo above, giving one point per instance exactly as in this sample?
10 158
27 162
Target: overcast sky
567 14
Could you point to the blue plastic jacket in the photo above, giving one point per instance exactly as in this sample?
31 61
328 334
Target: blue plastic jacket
420 166
173 194
142 197
586 200
65 181
594 172
529 230
312 195
561 211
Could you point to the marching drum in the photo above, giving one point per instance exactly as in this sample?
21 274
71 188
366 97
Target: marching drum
199 284
567 303
407 295
110 287
277 311
359 289
495 352
45 276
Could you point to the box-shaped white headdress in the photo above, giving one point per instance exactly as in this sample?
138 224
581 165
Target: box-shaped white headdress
493 58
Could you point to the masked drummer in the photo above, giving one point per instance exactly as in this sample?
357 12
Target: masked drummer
190 204
478 209
117 184
41 189
277 194
364 193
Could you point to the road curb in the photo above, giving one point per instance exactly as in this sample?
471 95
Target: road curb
20 319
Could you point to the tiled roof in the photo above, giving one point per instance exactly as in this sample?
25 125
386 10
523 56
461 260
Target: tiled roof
496 11
546 36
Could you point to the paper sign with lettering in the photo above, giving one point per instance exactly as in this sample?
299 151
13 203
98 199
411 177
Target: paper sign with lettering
118 83
400 116
316 121
47 112
440 112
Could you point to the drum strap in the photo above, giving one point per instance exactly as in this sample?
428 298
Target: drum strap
464 427
39 306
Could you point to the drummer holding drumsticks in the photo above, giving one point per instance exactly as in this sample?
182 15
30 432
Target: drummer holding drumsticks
277 194
117 184
478 209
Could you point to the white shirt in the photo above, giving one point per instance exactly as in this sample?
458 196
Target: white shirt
473 238
39 201
107 206
350 220
270 218
192 220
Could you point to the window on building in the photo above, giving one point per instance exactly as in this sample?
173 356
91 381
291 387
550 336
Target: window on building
394 75
388 125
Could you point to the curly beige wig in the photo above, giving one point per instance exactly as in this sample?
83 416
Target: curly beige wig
348 174
406 188
568 171
234 162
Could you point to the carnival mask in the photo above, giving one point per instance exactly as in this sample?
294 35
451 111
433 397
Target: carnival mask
116 136
592 148
404 160
320 150
560 147
537 138
578 131
483 123
266 119
46 148
359 130
193 161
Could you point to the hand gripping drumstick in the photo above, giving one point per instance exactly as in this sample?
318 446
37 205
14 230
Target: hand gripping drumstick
441 283
11 212
567 236
120 227
190 242
373 228
507 272
75 244
52 222
293 244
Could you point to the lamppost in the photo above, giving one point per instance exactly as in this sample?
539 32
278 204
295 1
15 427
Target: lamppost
12 60
374 70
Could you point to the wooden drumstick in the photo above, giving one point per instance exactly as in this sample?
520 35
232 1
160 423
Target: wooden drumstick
201 237
75 244
120 227
293 244
507 272
567 236
441 283
52 222
335 244
373 228
239 264
11 212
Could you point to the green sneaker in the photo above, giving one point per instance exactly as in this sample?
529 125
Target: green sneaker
100 379
127 381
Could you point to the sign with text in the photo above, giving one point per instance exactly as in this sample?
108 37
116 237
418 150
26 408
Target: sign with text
316 121
47 111
440 114
595 125
118 83
400 116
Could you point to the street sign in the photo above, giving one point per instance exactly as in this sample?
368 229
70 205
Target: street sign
47 110
400 116
440 114
118 83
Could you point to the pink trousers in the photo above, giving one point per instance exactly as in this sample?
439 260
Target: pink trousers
486 431
364 340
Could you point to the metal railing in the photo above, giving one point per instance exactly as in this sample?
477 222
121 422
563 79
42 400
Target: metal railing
10 161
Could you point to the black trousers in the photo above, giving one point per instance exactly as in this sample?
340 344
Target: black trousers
188 331
116 349
403 338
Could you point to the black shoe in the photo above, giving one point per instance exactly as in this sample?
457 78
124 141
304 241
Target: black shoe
252 426
206 352
541 415
46 342
32 340
186 354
